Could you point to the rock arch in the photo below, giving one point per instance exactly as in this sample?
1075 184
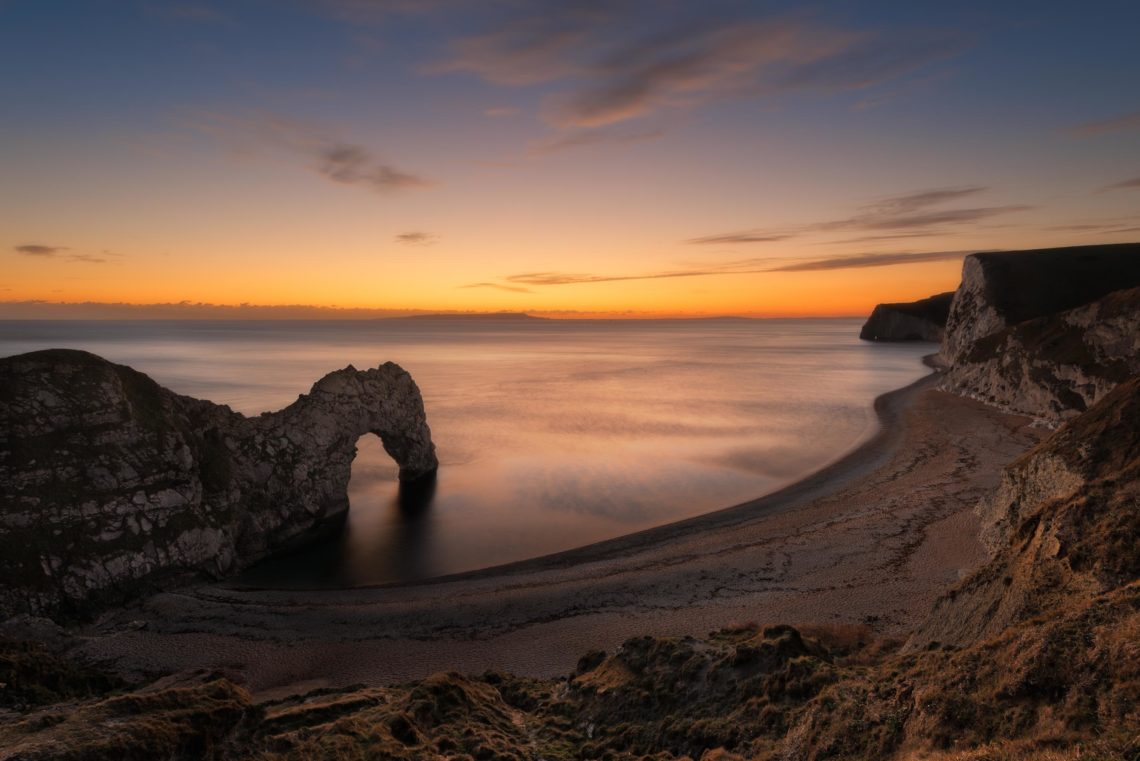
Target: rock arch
116 485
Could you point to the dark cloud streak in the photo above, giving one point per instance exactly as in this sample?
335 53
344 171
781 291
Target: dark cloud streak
415 238
354 165
499 287
743 237
59 253
746 267
908 215
860 261
38 249
1131 184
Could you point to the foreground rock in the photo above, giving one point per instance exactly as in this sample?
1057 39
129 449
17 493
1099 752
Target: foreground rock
922 320
114 486
1063 527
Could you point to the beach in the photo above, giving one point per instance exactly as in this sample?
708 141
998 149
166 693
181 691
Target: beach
870 540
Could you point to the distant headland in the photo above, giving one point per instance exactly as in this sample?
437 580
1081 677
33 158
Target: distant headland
471 316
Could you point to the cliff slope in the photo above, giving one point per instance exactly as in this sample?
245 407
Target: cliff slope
1064 527
114 485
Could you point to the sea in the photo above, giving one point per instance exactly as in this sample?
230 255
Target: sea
551 434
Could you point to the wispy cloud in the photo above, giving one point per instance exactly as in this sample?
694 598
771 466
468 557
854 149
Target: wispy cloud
61 253
350 164
335 159
743 237
529 49
751 266
860 261
565 278
416 238
499 287
882 237
908 215
581 138
1111 226
501 112
1131 184
38 249
609 69
913 210
1112 124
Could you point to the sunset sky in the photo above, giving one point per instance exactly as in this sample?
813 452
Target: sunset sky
563 158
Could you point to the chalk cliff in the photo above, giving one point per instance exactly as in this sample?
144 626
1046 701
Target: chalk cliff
1044 333
1055 367
1002 289
922 320
114 485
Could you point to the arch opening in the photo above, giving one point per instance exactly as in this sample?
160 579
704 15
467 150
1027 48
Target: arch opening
384 536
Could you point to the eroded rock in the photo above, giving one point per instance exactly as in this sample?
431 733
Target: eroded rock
114 486
1062 527
1055 367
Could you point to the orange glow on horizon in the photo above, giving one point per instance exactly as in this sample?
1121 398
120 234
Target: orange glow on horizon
835 293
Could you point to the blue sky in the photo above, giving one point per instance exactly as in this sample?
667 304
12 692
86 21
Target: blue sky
554 156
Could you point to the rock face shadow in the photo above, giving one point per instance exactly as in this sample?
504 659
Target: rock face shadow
409 538
414 498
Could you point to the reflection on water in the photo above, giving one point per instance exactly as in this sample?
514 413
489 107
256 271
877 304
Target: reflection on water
550 434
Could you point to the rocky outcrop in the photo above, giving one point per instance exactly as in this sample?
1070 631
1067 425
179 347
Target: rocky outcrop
1053 368
114 485
999 290
922 320
1063 527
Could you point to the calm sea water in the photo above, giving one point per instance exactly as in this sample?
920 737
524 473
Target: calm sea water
551 434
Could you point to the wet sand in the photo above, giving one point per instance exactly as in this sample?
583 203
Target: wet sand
871 539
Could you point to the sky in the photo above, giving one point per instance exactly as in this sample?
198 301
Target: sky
623 158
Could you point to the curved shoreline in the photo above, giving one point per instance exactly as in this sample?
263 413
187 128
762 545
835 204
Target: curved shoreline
855 462
871 539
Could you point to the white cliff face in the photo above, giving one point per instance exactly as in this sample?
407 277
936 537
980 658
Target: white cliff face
973 314
115 485
1052 368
